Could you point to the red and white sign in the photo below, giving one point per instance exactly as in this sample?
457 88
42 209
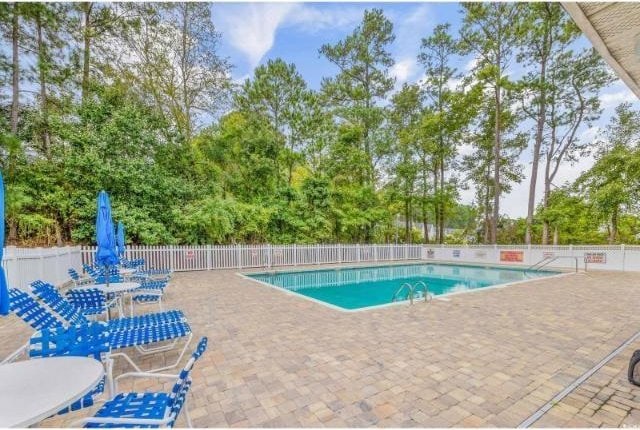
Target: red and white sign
595 257
512 256
190 254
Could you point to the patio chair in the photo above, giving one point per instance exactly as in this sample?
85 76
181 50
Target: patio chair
90 301
73 315
77 279
148 409
98 274
132 264
149 292
89 340
137 332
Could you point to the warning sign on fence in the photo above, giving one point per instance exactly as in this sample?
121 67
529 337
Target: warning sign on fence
189 254
456 253
512 256
595 257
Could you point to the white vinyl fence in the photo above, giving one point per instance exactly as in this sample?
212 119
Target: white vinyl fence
208 257
591 257
25 265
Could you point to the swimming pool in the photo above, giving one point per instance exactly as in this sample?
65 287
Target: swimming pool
362 287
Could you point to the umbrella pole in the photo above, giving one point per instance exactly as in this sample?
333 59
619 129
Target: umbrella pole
107 289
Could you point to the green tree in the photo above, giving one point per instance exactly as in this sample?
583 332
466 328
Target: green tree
548 33
279 93
491 31
452 112
612 185
404 116
575 83
363 82
173 62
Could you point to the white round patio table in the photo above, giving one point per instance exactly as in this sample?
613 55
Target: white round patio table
120 288
33 390
115 287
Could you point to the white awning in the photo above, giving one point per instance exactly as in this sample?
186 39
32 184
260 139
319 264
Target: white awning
614 30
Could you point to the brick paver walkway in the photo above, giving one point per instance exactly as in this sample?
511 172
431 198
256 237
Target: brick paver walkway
489 358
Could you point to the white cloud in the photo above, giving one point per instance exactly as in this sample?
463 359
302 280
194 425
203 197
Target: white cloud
613 99
471 64
251 27
419 16
403 70
310 19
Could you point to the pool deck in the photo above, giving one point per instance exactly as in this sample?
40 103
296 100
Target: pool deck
490 358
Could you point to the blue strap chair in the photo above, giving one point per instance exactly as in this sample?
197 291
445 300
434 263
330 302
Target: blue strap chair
100 277
126 334
89 340
77 279
149 292
75 315
90 301
148 409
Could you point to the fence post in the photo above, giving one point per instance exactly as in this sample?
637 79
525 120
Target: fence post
295 254
239 254
623 255
358 252
375 252
209 257
317 253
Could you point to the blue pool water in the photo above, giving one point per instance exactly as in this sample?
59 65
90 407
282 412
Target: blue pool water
361 287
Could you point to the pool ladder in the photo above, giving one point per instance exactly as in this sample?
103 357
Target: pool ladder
419 290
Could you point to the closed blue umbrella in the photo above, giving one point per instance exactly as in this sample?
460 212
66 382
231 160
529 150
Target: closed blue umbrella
4 292
120 239
105 234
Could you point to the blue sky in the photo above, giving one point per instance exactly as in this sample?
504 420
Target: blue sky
252 33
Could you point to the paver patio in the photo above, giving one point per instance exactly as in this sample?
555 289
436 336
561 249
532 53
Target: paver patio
488 358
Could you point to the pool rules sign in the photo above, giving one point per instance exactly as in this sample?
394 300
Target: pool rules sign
512 256
595 257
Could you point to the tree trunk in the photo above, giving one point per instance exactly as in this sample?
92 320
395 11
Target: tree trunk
58 233
613 234
86 54
15 98
436 211
407 227
487 218
542 112
44 105
497 151
555 235
425 213
547 192
441 202
185 84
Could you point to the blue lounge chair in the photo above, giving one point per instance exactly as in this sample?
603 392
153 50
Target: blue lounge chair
89 340
138 332
77 279
148 409
75 315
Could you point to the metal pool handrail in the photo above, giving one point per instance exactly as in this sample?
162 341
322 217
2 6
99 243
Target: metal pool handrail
412 290
548 260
